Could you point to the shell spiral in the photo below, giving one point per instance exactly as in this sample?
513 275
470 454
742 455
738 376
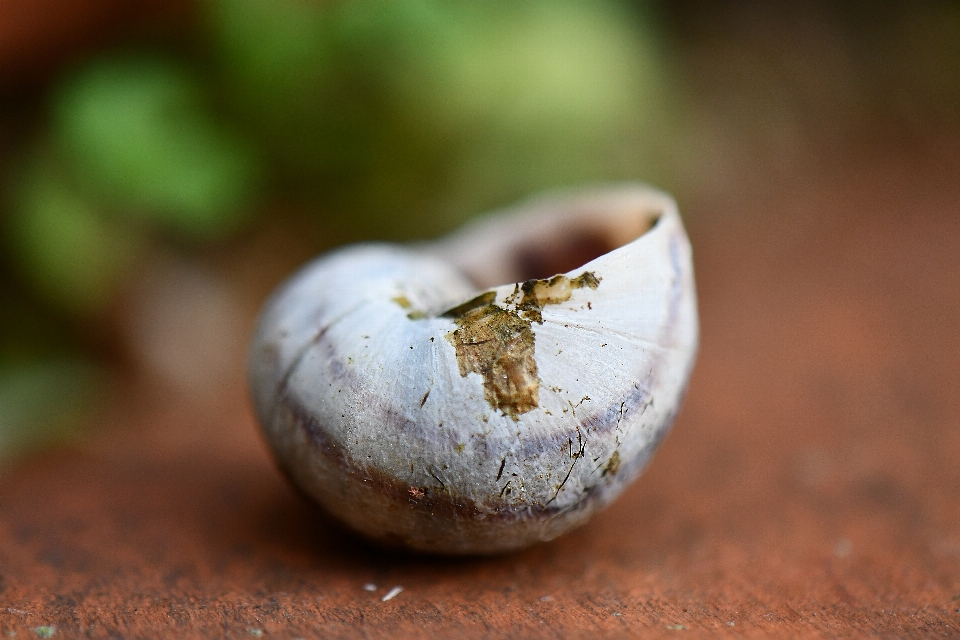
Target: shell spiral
427 404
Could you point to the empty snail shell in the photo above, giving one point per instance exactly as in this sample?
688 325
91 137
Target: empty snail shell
427 404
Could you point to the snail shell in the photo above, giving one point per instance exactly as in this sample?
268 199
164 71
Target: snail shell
427 407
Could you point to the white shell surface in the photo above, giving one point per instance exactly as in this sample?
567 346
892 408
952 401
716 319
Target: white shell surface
358 386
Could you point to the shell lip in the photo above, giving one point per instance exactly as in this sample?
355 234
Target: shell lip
554 233
590 240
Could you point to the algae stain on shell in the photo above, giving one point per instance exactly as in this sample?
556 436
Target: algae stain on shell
498 345
497 342
539 293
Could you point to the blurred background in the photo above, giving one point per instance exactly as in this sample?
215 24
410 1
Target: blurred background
164 164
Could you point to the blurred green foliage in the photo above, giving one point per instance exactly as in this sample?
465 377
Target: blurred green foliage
45 385
404 117
70 254
135 131
42 399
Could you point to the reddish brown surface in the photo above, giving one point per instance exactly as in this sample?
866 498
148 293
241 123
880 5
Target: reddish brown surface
37 36
810 486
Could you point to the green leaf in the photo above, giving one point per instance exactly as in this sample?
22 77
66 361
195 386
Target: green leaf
136 130
72 254
43 400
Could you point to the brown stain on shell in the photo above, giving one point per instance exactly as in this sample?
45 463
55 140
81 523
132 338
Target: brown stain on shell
498 345
498 342
404 303
613 465
539 293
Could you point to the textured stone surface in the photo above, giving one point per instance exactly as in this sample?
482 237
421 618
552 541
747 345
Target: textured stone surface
809 487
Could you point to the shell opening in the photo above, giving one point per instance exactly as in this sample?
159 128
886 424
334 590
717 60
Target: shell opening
573 243
551 235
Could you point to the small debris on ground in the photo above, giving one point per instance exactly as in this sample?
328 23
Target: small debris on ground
676 627
369 587
256 633
45 631
546 599
393 593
